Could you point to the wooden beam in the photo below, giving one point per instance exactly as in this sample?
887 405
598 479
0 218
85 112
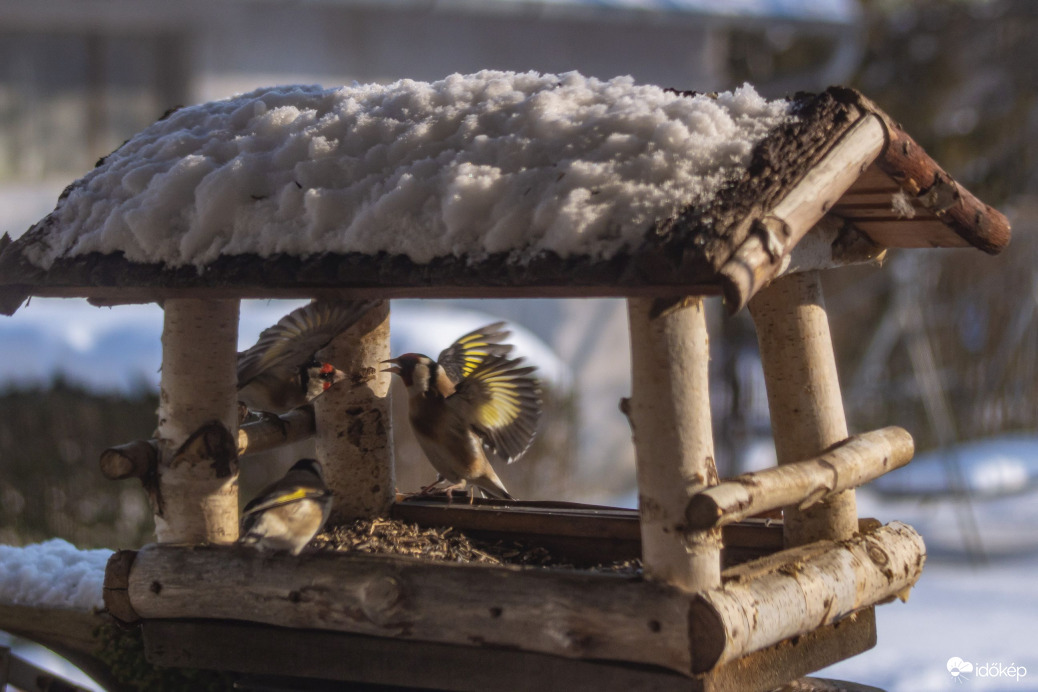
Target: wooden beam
856 461
669 413
771 239
132 295
354 427
804 398
803 588
568 613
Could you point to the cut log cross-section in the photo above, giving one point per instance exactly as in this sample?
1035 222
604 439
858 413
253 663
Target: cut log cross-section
353 420
196 498
669 412
804 398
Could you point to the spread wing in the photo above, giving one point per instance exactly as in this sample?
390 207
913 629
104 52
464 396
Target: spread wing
463 356
297 336
503 402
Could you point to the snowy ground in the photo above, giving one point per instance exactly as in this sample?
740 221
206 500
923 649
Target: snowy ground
982 613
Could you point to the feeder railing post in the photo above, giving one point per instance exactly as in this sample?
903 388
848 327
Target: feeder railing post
807 413
196 498
669 412
354 428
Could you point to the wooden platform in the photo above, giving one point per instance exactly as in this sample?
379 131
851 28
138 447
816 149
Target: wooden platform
383 620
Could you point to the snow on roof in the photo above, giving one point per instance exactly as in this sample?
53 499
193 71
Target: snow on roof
466 166
53 574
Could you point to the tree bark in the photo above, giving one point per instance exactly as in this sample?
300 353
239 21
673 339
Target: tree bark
354 427
569 613
669 412
859 460
196 499
811 586
804 398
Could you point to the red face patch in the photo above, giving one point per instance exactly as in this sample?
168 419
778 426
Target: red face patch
326 368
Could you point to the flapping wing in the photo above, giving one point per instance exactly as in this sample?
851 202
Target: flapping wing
298 335
504 405
462 357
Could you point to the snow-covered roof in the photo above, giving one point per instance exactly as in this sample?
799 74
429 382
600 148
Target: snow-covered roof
495 179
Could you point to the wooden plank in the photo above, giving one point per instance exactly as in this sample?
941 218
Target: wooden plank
854 462
310 654
584 533
882 212
132 295
564 612
905 233
276 658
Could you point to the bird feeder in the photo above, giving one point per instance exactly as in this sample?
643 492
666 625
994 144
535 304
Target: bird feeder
477 187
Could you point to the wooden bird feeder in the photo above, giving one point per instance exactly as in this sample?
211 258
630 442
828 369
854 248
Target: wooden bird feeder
725 602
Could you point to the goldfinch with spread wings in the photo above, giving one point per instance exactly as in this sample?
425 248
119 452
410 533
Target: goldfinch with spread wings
471 399
279 372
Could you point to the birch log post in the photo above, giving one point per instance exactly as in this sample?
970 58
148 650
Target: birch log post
669 413
804 398
813 586
197 500
857 461
353 422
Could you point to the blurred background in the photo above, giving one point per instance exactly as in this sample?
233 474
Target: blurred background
943 343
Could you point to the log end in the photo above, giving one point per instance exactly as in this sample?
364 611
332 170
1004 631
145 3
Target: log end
116 588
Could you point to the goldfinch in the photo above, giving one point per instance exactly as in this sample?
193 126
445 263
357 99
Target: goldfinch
471 399
279 372
289 512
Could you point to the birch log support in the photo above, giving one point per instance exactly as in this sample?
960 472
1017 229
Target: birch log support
815 585
354 428
669 412
804 398
197 501
857 461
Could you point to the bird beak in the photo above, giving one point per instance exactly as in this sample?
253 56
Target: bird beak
395 366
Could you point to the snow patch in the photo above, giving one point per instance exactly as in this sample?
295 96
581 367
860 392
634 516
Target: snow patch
53 574
468 165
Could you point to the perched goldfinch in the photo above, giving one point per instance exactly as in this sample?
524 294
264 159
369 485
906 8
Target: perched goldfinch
279 372
289 512
472 398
